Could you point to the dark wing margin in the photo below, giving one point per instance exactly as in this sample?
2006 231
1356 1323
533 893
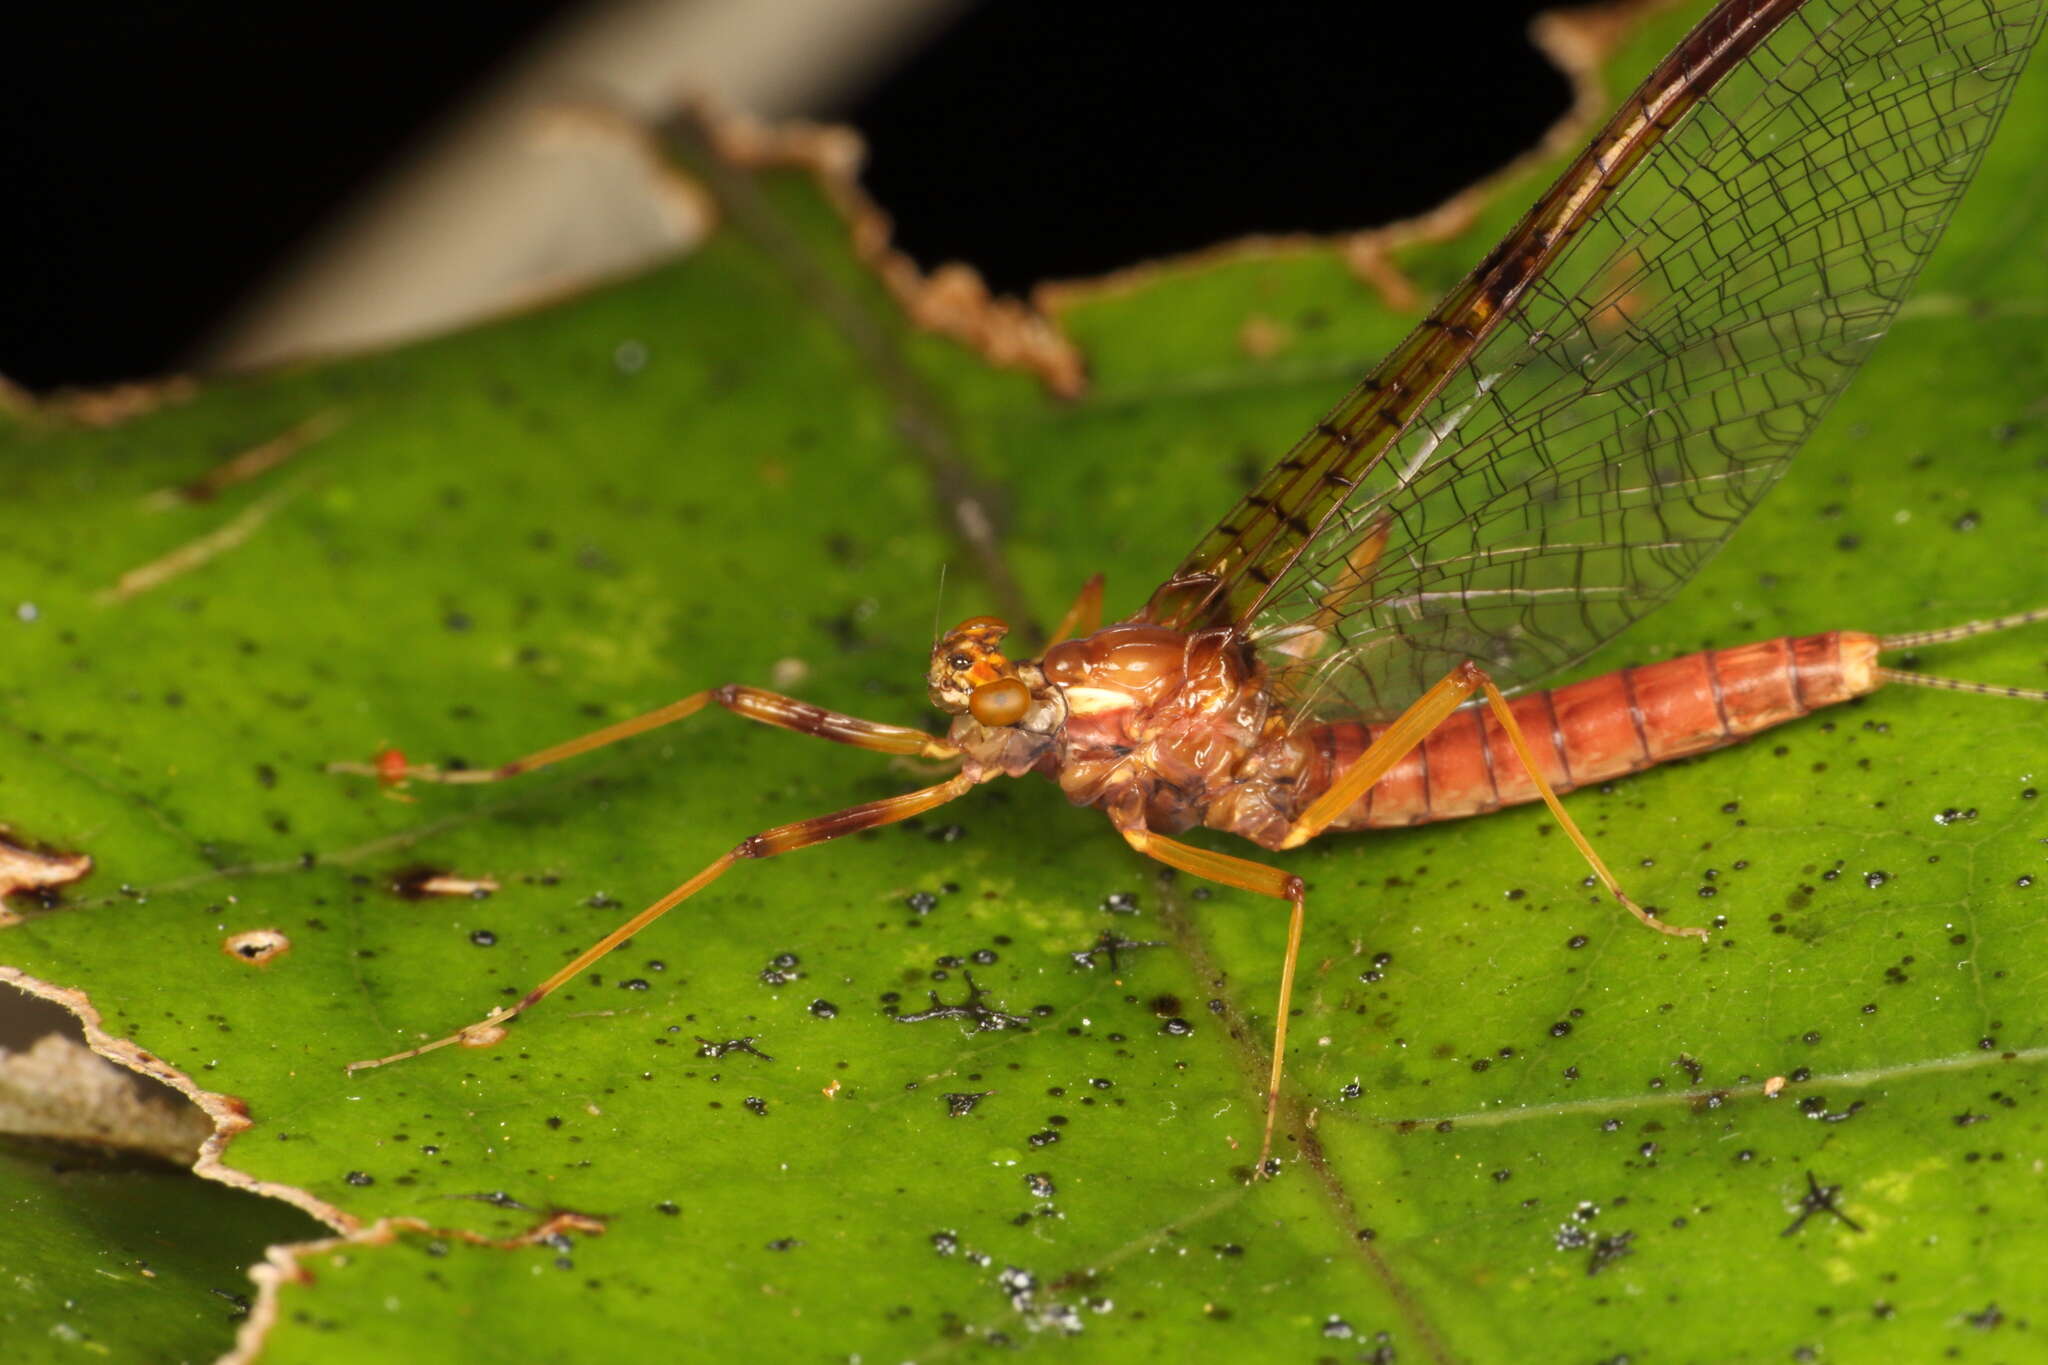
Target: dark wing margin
1585 419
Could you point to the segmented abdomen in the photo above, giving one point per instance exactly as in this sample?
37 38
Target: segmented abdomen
1603 728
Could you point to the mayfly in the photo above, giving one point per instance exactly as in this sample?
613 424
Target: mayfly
1550 454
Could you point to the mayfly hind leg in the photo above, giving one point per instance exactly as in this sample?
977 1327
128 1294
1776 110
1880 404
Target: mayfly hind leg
767 844
1411 728
1394 744
753 703
1498 704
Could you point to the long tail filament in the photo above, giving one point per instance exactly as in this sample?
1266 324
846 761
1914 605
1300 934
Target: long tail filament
1962 632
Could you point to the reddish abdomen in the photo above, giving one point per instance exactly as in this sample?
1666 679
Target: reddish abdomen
1603 728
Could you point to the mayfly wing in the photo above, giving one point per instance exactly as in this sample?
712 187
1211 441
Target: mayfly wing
1588 416
1234 571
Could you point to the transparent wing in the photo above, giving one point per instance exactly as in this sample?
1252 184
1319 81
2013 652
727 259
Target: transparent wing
1605 428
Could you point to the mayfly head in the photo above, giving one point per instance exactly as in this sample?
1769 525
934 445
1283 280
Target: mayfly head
969 674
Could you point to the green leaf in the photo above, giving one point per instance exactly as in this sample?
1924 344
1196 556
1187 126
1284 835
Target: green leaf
120 1260
495 540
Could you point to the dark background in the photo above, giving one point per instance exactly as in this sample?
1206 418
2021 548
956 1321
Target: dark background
159 162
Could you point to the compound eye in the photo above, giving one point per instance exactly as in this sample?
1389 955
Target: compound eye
1002 702
959 663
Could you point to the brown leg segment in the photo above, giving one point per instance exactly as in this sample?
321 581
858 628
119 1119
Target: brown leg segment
1245 875
782 839
754 703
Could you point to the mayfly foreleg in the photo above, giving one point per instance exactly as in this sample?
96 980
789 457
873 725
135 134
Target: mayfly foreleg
767 844
754 703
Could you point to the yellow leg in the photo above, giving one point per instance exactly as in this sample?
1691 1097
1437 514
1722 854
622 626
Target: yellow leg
1084 617
1246 875
1409 729
754 703
782 839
